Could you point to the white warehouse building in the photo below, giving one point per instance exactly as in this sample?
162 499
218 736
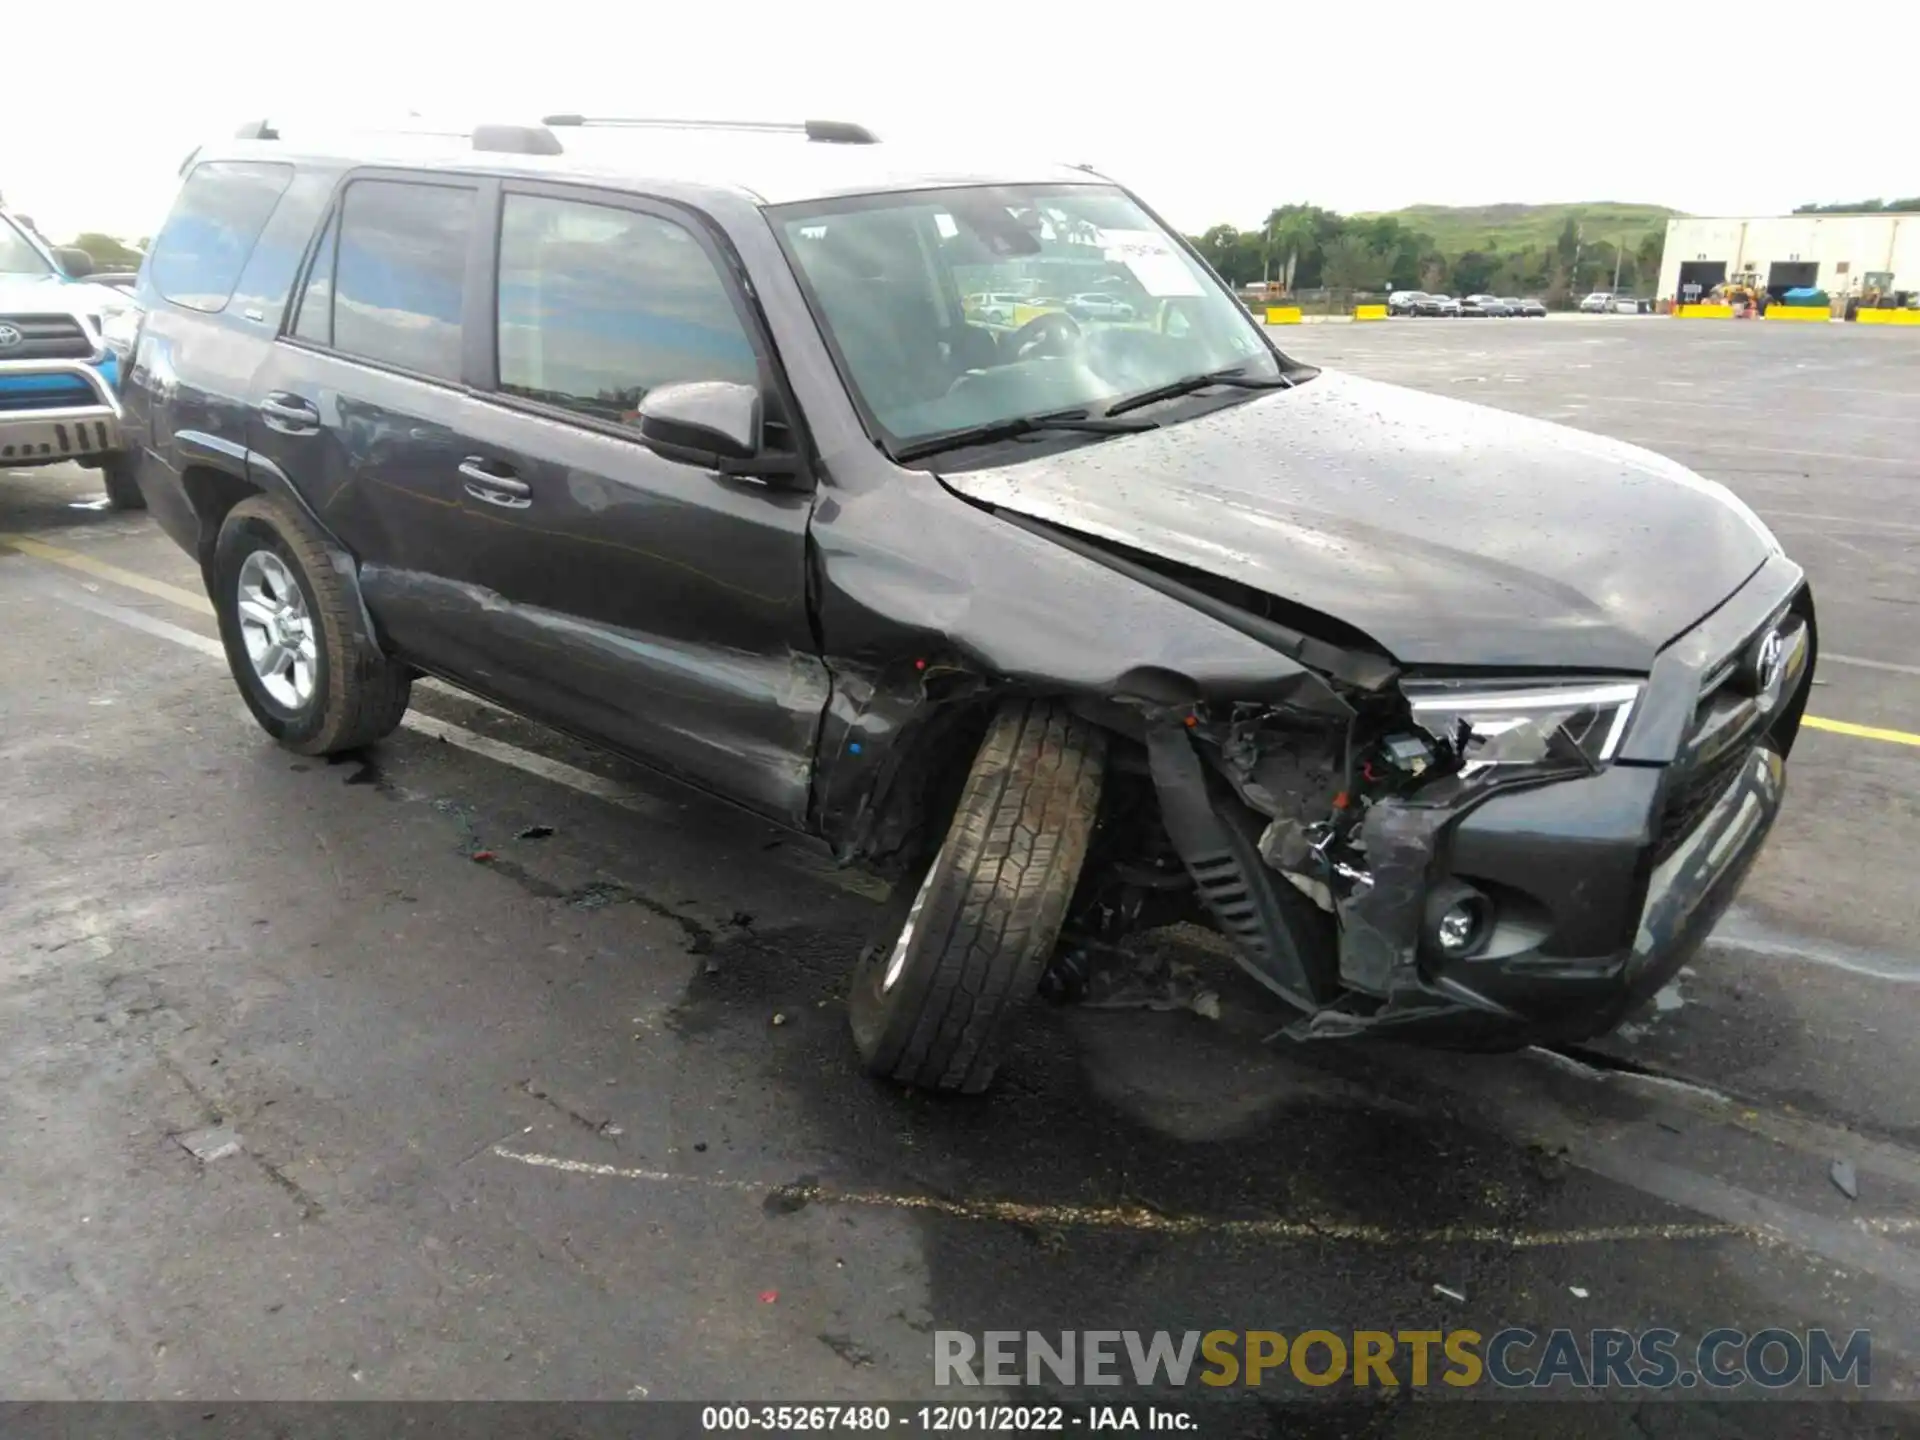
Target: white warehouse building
1840 254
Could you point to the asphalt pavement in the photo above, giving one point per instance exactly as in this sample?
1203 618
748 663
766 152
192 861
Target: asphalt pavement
298 1099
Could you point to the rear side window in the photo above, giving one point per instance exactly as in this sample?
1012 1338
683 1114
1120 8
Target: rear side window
399 275
197 258
598 305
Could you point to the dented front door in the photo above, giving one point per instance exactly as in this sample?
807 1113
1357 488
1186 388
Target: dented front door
654 606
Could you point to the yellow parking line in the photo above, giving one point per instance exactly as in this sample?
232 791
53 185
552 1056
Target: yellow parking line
86 564
1862 732
192 600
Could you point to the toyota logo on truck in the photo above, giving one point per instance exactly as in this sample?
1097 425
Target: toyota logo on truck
10 336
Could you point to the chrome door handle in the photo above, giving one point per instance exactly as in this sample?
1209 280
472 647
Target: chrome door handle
289 413
501 490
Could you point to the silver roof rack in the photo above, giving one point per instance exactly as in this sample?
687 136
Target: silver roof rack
507 139
835 132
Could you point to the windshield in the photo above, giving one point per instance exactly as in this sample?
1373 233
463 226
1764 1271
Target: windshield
18 255
954 309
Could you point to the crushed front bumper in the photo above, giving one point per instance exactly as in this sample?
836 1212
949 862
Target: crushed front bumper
53 410
1604 885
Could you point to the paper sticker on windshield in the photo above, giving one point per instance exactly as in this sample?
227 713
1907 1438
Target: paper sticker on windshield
1153 262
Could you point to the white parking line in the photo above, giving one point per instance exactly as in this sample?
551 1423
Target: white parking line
558 772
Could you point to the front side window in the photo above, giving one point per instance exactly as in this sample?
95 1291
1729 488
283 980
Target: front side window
19 255
890 277
400 274
199 253
599 305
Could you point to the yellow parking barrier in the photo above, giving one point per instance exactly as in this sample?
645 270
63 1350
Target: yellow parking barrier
1283 315
1888 317
1704 312
1369 312
1797 312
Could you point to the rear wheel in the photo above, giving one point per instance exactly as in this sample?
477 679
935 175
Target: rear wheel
292 637
963 942
123 491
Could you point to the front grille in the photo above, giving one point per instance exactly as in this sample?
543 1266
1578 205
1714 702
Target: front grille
1691 794
46 337
55 393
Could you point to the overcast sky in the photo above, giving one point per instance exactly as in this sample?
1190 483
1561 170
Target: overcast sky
1372 107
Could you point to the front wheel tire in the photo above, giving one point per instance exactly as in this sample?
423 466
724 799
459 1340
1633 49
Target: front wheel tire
962 944
292 636
123 491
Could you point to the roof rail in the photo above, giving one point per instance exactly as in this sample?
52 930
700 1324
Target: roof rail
835 132
517 139
508 139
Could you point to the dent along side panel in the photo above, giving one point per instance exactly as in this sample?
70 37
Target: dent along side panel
928 604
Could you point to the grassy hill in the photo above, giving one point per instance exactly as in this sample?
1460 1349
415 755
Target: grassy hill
1455 228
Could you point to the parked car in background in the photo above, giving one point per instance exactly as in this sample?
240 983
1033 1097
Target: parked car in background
1598 303
995 307
1405 302
59 373
1532 309
1442 305
1625 305
1487 305
1098 305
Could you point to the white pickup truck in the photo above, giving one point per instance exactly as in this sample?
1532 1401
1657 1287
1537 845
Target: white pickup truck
59 374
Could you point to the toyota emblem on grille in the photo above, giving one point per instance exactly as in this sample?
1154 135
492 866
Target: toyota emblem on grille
10 336
1765 661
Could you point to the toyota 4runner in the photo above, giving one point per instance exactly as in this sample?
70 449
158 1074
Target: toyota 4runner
58 373
1462 726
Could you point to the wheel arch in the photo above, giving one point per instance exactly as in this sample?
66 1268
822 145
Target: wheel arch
218 474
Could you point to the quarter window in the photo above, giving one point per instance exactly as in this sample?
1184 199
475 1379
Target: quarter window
198 256
400 274
598 305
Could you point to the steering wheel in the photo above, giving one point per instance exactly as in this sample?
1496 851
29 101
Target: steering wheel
1054 333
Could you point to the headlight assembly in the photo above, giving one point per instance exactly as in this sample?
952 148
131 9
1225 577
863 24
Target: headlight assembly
1538 728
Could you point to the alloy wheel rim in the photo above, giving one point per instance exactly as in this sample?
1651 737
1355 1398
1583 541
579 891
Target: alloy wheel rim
277 630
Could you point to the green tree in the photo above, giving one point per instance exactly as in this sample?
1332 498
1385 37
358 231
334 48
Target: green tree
1349 263
1473 272
106 252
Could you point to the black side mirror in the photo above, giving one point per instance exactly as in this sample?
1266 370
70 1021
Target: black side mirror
716 417
77 263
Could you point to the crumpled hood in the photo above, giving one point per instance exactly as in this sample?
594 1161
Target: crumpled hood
1453 534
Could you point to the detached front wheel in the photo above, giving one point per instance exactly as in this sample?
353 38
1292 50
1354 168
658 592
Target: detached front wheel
962 944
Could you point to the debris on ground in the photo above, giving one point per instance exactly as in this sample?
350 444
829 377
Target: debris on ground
1147 981
1578 1292
1843 1179
483 856
767 1297
741 919
534 832
779 1017
216 1142
848 1349
1449 1293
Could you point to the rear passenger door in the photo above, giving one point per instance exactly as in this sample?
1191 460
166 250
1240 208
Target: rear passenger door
652 604
363 398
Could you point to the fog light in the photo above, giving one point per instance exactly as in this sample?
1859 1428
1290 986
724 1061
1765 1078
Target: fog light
1459 927
1459 919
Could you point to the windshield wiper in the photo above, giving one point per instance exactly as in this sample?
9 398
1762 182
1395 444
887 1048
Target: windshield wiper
1021 425
1191 383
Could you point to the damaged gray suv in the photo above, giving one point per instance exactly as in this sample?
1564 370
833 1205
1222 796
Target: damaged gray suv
692 441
